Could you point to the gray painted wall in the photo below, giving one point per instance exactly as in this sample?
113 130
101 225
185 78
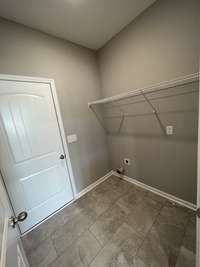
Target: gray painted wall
74 69
161 44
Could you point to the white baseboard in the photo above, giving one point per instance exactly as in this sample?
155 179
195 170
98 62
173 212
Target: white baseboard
157 191
140 184
93 185
128 179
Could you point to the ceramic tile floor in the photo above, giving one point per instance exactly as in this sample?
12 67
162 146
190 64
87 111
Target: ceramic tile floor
115 225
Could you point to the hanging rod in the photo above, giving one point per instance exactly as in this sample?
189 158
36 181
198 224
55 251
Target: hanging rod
160 86
152 98
147 114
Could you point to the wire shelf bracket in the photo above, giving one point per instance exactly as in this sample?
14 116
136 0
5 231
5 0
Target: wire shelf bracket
154 111
187 79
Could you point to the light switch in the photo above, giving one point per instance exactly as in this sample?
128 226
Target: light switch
169 130
72 138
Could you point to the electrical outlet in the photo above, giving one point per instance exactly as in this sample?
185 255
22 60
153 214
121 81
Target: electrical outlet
127 161
169 130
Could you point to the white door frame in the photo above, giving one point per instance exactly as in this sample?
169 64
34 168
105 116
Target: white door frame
51 82
198 190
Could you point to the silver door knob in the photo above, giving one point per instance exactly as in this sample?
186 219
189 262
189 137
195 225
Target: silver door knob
20 218
62 156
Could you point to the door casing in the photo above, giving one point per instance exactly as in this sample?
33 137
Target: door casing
198 192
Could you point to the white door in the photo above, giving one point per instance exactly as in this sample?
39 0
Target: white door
32 158
11 254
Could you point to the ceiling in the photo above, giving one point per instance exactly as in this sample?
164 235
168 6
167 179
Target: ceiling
90 23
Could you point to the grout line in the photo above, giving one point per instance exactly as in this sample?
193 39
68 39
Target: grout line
111 204
96 256
145 237
185 229
101 248
95 238
99 216
54 248
72 243
57 227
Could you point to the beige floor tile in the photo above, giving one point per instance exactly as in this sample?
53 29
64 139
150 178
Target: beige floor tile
175 215
119 185
96 202
189 241
128 201
120 250
143 215
80 253
186 258
65 235
162 245
117 224
44 230
33 239
43 255
107 224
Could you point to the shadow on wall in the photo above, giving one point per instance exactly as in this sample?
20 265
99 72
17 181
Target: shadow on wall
175 106
167 162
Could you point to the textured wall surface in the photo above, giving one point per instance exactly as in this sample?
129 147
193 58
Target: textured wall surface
74 69
161 44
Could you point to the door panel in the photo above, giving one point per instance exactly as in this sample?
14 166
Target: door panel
32 185
30 147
